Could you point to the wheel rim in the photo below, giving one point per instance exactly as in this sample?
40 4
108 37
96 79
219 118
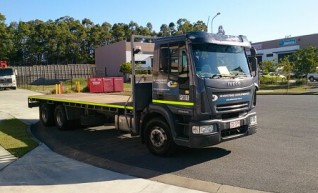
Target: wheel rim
158 137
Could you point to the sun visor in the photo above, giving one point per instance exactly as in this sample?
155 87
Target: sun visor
202 37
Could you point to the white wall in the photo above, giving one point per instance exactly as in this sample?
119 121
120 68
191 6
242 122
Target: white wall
140 57
276 51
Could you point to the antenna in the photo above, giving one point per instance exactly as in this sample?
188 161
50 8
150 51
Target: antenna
207 26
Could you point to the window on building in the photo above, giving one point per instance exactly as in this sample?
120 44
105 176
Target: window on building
269 55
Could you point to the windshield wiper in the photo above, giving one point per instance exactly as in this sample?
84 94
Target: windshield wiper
214 76
239 75
218 76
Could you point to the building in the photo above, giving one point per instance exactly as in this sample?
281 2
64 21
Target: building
109 57
279 48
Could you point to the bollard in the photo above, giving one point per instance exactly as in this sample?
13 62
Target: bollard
78 86
61 87
56 89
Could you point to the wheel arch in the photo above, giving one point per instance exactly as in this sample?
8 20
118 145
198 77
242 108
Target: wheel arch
155 111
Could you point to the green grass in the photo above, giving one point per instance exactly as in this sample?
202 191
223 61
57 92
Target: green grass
285 89
14 137
69 86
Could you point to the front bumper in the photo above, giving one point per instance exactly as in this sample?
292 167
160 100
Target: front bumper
223 131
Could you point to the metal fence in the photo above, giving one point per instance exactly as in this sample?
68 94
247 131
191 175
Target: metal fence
52 74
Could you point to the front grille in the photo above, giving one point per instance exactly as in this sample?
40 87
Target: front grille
6 80
230 115
233 106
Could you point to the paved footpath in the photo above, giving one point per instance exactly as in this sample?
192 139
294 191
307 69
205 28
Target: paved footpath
42 170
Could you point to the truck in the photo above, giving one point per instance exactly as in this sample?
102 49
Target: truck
7 76
202 92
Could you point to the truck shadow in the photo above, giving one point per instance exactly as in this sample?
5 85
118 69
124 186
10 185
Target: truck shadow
107 148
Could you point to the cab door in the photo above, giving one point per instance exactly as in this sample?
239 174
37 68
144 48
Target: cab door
172 82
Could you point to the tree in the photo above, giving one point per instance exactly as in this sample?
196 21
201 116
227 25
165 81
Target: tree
305 60
149 26
172 28
287 66
199 26
184 26
6 44
164 30
66 40
268 66
125 68
119 32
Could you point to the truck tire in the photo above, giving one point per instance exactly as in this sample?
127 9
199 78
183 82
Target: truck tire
158 138
311 79
60 118
46 114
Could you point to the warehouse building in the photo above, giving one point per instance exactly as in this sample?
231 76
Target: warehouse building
109 57
279 48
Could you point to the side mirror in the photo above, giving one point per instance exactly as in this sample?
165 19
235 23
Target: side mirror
253 61
253 52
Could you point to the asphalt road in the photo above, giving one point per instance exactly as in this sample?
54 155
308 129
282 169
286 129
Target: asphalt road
281 157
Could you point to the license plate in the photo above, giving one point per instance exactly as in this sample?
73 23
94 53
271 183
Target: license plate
235 124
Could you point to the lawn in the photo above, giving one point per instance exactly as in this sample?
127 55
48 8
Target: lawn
15 138
69 86
285 89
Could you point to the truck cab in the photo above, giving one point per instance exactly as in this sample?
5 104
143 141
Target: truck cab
203 91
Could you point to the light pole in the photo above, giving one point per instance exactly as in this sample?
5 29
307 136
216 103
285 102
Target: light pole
212 21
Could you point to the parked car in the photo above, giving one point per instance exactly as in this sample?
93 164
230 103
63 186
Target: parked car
274 77
312 77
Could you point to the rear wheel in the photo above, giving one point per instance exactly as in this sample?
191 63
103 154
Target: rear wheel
60 118
311 79
158 138
46 114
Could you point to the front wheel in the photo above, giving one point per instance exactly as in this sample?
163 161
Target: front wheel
311 79
158 138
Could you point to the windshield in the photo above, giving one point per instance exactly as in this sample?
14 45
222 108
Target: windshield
220 61
6 72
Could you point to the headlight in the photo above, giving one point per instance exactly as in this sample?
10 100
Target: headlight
253 120
205 129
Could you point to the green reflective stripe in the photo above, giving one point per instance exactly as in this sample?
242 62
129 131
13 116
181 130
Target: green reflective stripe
173 102
83 103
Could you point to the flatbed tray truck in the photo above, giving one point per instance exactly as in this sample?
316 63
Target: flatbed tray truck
203 92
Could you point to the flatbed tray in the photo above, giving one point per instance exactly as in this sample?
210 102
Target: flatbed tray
98 99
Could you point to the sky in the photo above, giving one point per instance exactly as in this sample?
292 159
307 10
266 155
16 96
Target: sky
259 20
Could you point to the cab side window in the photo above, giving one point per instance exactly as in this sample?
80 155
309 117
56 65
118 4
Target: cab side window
173 59
174 63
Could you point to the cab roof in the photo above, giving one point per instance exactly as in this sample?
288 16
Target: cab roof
204 37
